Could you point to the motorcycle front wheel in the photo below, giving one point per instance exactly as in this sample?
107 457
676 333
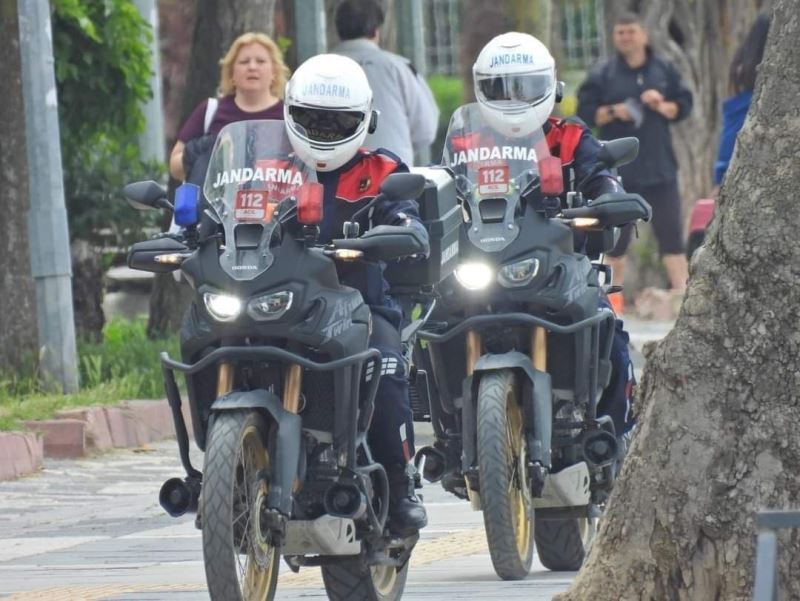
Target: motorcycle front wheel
241 563
504 489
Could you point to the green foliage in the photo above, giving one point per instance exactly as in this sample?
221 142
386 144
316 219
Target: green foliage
124 366
102 65
92 183
449 94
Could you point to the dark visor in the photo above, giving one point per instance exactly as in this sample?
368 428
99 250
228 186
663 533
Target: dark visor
324 125
528 88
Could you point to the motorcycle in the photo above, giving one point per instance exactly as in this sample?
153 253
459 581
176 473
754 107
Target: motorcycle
280 378
516 354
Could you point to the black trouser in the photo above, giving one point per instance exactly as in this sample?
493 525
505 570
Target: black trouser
391 433
665 199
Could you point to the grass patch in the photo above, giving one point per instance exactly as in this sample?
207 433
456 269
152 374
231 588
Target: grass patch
124 366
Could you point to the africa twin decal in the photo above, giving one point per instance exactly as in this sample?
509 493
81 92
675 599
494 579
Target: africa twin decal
341 318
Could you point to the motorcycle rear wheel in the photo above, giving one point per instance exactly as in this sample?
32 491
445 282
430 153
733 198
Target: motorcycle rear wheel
354 580
504 489
241 564
561 544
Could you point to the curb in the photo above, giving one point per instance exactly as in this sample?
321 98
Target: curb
21 454
82 431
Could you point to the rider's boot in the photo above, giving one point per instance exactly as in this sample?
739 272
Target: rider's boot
407 514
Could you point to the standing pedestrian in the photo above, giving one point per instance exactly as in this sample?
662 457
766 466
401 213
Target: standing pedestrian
638 93
252 81
408 115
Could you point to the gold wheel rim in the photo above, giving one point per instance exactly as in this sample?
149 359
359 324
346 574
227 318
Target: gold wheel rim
257 563
383 578
518 493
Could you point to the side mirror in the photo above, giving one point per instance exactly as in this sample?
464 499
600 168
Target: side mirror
616 153
146 195
403 186
187 203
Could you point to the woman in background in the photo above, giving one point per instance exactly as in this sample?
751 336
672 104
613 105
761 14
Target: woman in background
252 81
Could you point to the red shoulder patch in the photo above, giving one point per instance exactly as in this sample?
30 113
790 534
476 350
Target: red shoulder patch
364 179
563 139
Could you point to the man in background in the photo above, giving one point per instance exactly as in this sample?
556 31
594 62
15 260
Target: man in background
638 93
408 113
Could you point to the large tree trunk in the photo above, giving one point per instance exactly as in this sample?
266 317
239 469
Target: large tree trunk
718 437
699 38
18 332
217 24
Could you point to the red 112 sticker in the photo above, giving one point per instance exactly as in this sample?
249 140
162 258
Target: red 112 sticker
252 205
493 180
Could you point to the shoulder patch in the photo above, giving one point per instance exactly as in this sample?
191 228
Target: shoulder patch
363 180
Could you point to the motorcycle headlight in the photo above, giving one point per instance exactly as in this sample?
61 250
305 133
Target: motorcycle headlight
519 273
223 307
270 306
474 276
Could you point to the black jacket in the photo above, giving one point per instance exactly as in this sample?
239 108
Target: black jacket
613 81
348 189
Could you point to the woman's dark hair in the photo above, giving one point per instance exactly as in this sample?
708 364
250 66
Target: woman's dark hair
748 56
358 19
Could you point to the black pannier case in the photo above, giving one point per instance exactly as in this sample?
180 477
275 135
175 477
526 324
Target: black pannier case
441 215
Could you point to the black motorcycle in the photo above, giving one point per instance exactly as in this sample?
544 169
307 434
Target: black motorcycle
280 378
516 355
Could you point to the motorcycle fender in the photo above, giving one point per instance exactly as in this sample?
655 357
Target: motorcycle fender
537 399
284 448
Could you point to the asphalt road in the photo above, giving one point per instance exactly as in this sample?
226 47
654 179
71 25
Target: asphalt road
92 530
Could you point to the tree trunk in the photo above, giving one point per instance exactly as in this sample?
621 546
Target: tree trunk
217 24
699 38
87 291
718 437
18 331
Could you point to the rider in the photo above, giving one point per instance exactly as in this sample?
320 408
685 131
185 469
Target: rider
328 113
516 89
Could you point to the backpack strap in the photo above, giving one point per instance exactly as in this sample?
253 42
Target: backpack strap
211 110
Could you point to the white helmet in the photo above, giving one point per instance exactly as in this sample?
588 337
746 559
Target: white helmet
328 110
515 83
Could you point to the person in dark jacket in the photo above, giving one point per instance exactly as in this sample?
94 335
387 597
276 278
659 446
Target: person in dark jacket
638 93
328 113
516 90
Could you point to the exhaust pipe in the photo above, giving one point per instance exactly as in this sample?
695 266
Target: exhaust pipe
179 496
600 448
433 461
344 501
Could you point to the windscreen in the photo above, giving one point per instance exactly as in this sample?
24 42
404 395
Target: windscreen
251 171
491 171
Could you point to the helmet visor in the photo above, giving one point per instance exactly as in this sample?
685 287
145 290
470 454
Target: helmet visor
325 125
527 88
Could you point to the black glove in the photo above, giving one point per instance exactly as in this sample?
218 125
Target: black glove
195 148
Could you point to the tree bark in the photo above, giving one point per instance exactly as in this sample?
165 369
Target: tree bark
217 24
18 330
718 439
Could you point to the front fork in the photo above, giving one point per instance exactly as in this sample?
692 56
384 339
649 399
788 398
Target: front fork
538 355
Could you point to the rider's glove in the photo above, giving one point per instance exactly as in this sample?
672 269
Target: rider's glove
195 148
